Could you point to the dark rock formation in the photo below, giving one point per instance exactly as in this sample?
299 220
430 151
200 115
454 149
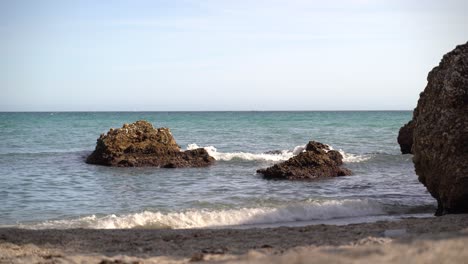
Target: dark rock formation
318 161
139 144
405 137
440 134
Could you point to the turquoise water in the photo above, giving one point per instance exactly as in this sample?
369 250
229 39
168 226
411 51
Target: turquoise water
46 184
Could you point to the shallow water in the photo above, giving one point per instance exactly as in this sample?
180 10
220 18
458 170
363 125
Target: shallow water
46 184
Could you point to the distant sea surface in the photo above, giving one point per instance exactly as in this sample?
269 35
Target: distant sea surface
45 183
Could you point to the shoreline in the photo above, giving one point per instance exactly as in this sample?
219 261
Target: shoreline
386 241
338 221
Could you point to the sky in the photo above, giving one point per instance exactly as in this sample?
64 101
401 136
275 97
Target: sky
214 55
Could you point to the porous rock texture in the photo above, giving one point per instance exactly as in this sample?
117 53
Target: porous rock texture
140 144
405 137
440 136
317 161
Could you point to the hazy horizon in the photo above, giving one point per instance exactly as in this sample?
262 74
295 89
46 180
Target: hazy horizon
341 55
194 111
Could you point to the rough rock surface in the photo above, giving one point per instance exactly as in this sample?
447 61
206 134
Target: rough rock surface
440 134
318 161
405 137
139 144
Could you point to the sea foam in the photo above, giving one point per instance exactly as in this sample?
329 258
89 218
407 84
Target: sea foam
281 156
351 158
205 218
226 156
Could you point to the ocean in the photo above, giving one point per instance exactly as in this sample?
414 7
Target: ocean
45 182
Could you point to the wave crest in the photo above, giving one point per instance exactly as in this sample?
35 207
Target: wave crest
204 218
284 155
276 157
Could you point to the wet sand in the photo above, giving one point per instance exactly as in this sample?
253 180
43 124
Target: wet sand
413 240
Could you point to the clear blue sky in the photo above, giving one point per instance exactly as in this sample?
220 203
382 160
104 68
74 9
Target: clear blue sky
222 55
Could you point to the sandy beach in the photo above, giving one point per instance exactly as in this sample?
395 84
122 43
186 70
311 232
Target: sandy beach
412 240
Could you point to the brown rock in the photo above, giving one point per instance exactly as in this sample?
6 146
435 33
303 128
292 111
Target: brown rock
405 138
440 137
316 162
139 144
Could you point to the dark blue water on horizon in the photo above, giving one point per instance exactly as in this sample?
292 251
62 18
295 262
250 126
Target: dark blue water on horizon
45 182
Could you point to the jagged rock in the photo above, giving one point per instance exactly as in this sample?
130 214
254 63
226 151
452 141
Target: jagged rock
317 161
440 133
405 137
140 144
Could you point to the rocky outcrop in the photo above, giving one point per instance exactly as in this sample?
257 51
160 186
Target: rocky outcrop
317 161
440 133
405 137
140 144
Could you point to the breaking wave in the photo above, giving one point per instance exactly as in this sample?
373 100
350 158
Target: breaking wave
204 218
226 156
351 158
277 156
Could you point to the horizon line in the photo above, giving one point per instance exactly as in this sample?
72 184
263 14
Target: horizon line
201 111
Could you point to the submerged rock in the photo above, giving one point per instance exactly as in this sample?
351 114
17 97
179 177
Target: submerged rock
140 144
440 136
405 138
318 161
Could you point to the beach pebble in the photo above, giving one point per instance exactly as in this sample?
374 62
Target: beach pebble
197 257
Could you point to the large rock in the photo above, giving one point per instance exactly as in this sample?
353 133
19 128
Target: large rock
318 161
440 133
139 144
405 138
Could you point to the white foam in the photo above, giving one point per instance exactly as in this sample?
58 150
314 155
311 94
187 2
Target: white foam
226 156
351 158
282 156
203 218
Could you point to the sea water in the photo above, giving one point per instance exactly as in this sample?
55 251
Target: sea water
45 183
